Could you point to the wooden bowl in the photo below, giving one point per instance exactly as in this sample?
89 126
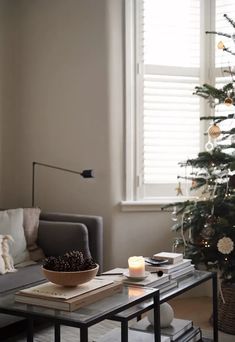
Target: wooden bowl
70 278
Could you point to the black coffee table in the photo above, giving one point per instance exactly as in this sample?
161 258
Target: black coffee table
87 316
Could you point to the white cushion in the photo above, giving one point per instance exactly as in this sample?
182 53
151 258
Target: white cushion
11 223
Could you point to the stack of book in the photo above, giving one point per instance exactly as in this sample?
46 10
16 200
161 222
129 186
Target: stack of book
180 330
151 279
162 282
172 264
68 299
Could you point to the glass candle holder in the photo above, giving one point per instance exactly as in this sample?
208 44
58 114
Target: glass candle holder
136 266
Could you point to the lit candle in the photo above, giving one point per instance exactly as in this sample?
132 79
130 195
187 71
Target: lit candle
136 266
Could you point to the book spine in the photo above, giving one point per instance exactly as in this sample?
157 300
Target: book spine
172 259
183 272
181 332
167 270
43 302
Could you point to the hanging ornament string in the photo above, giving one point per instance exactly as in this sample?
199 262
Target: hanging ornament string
214 190
227 185
220 287
209 145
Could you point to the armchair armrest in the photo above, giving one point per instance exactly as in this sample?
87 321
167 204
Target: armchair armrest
56 238
94 225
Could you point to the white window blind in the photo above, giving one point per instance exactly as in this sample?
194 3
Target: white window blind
169 54
169 57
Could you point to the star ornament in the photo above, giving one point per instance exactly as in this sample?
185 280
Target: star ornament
225 245
178 190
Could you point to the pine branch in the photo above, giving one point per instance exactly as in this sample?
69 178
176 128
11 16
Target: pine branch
229 51
207 90
229 20
227 87
217 119
219 33
230 132
229 72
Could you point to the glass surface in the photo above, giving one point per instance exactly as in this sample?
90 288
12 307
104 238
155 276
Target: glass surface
128 295
184 284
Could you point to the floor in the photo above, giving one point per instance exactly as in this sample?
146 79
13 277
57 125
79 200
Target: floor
199 310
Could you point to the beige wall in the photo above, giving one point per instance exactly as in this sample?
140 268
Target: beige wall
66 109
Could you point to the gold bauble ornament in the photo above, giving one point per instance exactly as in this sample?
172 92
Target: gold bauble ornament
214 131
228 101
220 45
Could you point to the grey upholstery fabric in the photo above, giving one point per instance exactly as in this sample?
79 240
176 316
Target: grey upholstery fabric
94 226
56 238
24 276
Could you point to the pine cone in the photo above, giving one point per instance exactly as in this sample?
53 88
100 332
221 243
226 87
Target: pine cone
72 261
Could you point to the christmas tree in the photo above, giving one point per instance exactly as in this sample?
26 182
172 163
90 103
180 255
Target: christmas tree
206 224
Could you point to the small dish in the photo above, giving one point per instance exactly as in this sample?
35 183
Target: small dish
156 262
126 274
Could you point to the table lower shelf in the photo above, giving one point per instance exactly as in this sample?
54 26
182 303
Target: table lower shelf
135 336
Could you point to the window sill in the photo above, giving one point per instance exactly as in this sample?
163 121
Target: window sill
151 205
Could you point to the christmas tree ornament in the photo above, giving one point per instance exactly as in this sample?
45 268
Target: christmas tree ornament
214 131
225 245
174 215
228 101
178 190
194 184
209 146
207 231
220 45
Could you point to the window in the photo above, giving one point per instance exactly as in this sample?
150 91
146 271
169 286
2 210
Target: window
167 55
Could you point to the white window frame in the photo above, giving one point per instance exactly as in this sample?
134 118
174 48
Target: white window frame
133 201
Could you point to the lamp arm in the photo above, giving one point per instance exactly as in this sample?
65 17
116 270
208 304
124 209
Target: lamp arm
84 174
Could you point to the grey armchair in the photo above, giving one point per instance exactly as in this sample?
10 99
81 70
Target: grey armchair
57 234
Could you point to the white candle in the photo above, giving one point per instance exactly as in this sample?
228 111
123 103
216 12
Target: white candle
136 266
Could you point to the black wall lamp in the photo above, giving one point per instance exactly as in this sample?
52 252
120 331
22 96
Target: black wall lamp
85 174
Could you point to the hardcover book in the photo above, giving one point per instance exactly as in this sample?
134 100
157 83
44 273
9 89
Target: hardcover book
192 335
67 299
182 272
172 284
138 336
173 258
153 279
179 330
169 268
118 274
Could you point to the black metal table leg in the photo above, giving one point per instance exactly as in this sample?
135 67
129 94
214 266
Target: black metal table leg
30 330
215 307
84 334
156 317
57 332
124 331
